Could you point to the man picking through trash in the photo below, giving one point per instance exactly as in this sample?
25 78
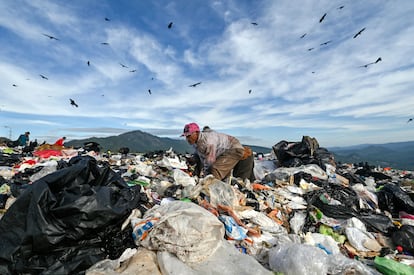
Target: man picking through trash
219 153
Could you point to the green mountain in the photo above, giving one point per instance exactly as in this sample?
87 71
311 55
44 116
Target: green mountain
137 141
399 155
141 142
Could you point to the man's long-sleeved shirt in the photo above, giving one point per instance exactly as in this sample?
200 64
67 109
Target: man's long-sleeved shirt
212 144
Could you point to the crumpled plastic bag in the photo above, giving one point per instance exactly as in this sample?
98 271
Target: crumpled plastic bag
294 259
172 163
184 229
182 178
220 192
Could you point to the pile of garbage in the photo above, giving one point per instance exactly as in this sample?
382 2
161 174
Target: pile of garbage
77 211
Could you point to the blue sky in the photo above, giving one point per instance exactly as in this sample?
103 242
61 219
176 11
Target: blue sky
298 86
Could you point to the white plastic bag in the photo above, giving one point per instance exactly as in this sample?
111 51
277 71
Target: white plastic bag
184 229
182 178
220 192
294 259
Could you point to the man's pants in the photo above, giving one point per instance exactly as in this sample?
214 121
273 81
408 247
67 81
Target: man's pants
244 169
224 163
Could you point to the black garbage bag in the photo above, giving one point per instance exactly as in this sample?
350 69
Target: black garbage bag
352 178
348 207
91 146
3 200
324 157
366 171
62 222
124 150
289 154
294 154
393 199
404 237
10 159
332 211
375 222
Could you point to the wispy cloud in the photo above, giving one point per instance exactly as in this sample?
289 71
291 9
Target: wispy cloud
297 86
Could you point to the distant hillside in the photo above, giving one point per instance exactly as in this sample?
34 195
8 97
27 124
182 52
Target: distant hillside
138 141
4 140
399 155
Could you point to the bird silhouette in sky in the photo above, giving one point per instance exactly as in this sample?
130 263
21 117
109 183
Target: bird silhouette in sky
14 85
107 19
105 43
73 103
44 77
132 71
254 23
322 18
310 49
89 63
51 37
170 25
250 91
303 35
341 7
195 84
123 65
375 62
378 60
149 91
359 33
409 120
326 43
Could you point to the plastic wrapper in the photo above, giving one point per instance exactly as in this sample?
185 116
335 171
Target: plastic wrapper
233 230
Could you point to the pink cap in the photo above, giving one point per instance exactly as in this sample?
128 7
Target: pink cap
190 128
